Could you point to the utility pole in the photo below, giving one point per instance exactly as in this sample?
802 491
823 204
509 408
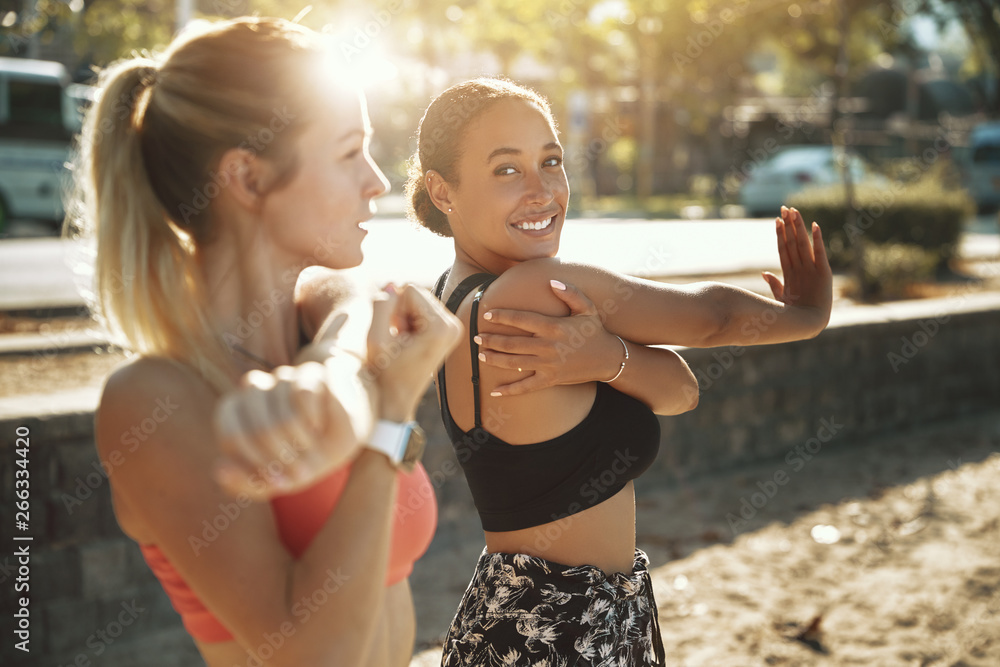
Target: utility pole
840 131
185 9
648 28
28 14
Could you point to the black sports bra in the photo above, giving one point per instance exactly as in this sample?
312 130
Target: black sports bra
521 486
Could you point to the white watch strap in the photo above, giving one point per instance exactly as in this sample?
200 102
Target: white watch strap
390 438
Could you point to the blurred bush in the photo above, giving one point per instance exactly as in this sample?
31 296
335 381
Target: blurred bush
942 171
891 268
927 211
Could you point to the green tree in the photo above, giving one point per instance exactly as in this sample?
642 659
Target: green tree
112 29
981 20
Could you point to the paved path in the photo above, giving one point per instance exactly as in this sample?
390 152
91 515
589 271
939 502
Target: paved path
46 272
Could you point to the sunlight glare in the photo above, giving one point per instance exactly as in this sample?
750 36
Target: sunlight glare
356 55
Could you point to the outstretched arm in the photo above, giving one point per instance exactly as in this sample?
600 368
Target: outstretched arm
569 339
706 314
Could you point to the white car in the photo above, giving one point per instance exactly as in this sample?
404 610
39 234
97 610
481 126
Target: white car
792 169
984 166
39 114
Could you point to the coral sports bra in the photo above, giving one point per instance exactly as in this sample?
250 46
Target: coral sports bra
299 517
522 486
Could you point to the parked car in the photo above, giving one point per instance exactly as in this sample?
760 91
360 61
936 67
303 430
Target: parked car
983 170
40 111
794 168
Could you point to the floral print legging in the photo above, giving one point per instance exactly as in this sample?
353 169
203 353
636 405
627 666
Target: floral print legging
522 610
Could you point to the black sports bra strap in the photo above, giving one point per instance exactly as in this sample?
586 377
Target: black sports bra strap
439 285
482 281
466 286
474 348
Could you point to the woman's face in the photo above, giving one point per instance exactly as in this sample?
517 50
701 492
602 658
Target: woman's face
316 217
510 199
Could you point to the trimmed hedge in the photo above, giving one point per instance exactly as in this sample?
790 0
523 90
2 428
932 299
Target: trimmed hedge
923 214
890 269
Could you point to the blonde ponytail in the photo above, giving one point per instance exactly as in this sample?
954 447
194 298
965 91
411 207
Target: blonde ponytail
147 287
148 154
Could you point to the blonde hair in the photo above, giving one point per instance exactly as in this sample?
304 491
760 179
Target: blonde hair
145 173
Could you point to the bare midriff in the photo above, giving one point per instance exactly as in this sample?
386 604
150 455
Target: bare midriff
603 536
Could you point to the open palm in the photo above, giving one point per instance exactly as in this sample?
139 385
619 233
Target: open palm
808 279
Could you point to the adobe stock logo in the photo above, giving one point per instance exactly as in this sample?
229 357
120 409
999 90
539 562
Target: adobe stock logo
797 458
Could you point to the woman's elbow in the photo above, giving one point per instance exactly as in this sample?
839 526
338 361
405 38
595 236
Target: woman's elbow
717 330
679 402
716 320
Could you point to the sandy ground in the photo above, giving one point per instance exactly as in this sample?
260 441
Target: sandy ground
884 552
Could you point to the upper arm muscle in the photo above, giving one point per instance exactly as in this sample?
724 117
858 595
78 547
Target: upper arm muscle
643 311
330 304
157 419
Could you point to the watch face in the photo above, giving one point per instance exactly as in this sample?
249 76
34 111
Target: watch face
414 448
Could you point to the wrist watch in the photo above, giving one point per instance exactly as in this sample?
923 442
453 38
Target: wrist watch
402 443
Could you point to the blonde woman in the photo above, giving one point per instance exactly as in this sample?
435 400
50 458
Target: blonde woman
283 405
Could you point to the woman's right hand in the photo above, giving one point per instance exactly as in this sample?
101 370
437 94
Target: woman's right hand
281 431
276 432
412 333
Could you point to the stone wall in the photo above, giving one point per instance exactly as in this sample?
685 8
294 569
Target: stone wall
94 602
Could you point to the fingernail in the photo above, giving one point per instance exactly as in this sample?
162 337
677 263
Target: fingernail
558 285
494 394
482 357
478 339
488 316
389 288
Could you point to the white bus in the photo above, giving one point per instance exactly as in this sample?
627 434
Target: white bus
39 115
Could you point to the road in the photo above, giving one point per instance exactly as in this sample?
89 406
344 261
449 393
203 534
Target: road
38 272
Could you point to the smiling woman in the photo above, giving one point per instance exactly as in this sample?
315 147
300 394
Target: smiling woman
521 182
550 449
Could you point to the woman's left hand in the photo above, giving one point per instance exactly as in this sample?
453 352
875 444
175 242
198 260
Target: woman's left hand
554 350
808 283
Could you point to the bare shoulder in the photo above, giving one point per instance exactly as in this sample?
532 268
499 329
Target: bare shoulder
155 432
319 282
333 303
526 285
151 422
320 291
145 395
